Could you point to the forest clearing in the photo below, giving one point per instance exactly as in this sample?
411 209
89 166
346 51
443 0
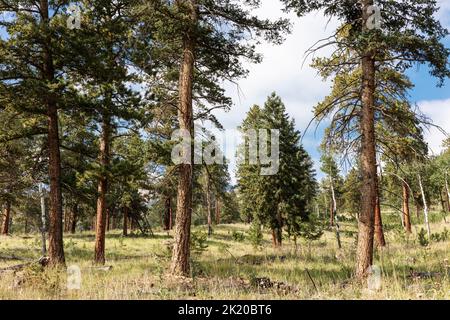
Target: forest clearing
233 269
224 149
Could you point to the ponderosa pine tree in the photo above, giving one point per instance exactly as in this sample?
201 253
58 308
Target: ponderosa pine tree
202 43
409 34
32 82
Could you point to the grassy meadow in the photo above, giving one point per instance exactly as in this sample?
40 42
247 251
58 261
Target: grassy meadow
230 267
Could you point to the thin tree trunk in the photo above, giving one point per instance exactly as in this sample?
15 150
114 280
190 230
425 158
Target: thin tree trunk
274 238
104 156
208 206
379 233
425 206
181 250
448 190
43 220
167 224
108 219
55 237
334 221
6 217
217 211
406 211
125 221
331 214
364 252
73 222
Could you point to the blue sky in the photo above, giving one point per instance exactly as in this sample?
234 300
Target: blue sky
300 87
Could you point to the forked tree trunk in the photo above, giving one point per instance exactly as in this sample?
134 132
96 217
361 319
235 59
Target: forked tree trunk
364 252
55 231
406 211
6 217
102 190
274 238
379 233
425 206
181 250
125 221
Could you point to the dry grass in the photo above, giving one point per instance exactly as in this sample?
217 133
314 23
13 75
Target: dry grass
232 270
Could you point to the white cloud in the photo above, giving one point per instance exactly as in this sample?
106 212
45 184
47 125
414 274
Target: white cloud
283 70
439 112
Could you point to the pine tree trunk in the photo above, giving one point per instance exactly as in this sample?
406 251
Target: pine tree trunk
406 213
274 238
364 253
334 214
217 208
108 219
125 221
43 221
208 206
181 250
379 233
73 222
167 224
331 214
448 190
66 223
102 192
55 232
6 217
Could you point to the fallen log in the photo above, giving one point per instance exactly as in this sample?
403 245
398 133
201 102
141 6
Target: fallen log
43 261
14 257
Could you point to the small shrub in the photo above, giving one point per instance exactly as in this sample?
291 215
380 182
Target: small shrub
238 236
440 237
198 242
422 237
255 235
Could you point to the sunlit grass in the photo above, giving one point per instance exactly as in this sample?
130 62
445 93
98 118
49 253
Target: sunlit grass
227 269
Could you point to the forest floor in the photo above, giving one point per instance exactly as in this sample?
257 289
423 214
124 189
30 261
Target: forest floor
231 268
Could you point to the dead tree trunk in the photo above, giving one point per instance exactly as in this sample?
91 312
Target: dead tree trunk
181 250
6 217
102 190
55 234
379 233
425 206
364 252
